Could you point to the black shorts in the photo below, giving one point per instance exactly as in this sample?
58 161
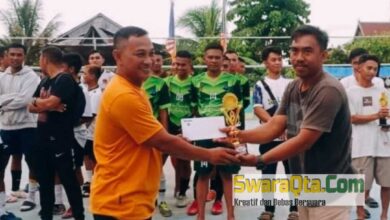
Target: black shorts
4 157
88 150
204 167
78 154
174 129
19 141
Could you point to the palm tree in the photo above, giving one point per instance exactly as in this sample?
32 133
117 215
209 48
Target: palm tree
23 19
202 21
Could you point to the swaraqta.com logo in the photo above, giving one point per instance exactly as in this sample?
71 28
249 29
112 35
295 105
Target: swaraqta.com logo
300 190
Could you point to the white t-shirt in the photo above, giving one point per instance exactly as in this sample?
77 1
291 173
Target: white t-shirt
81 132
261 97
104 79
350 80
366 138
95 96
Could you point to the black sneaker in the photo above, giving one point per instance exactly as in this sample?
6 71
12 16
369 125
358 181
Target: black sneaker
59 209
86 189
9 216
27 205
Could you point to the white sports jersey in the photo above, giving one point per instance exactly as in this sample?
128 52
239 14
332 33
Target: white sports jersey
95 96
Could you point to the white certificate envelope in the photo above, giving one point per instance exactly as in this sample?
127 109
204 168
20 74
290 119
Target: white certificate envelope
203 128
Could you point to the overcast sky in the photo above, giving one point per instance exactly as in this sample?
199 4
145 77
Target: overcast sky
337 17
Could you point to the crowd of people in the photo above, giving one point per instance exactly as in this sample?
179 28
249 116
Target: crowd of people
123 127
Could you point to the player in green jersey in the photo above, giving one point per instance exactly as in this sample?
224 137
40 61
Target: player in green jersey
179 86
157 91
207 91
237 66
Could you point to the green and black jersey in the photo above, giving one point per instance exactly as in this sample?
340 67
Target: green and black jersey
207 93
180 99
158 93
245 90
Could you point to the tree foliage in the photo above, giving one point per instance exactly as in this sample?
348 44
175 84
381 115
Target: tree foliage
24 19
337 56
379 46
265 18
202 21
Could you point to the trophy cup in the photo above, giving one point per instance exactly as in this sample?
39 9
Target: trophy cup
231 111
383 101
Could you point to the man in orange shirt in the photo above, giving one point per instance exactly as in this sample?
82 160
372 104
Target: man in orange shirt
128 169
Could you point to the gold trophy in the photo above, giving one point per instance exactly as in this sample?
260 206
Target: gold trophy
383 101
231 110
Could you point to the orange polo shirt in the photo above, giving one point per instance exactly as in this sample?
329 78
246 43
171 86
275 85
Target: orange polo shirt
127 175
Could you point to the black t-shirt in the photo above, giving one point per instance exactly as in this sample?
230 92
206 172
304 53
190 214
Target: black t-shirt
53 123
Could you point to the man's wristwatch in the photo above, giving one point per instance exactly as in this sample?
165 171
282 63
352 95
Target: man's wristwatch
260 165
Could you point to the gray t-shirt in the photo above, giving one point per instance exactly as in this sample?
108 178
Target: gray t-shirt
323 107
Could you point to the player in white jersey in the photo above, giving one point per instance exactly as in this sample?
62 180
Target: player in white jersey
91 76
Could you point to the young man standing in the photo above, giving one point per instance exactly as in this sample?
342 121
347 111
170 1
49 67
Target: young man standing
18 125
16 161
91 77
56 104
180 107
267 97
158 94
352 80
96 57
315 112
208 90
129 163
72 63
370 150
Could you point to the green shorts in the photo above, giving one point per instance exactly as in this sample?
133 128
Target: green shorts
204 167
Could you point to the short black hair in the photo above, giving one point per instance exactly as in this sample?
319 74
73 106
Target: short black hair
270 49
53 54
241 60
320 35
184 54
366 57
95 70
226 58
213 46
3 50
126 32
356 52
159 52
17 45
231 51
73 59
95 51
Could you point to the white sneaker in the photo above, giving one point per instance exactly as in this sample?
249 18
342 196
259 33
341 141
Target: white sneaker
181 201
